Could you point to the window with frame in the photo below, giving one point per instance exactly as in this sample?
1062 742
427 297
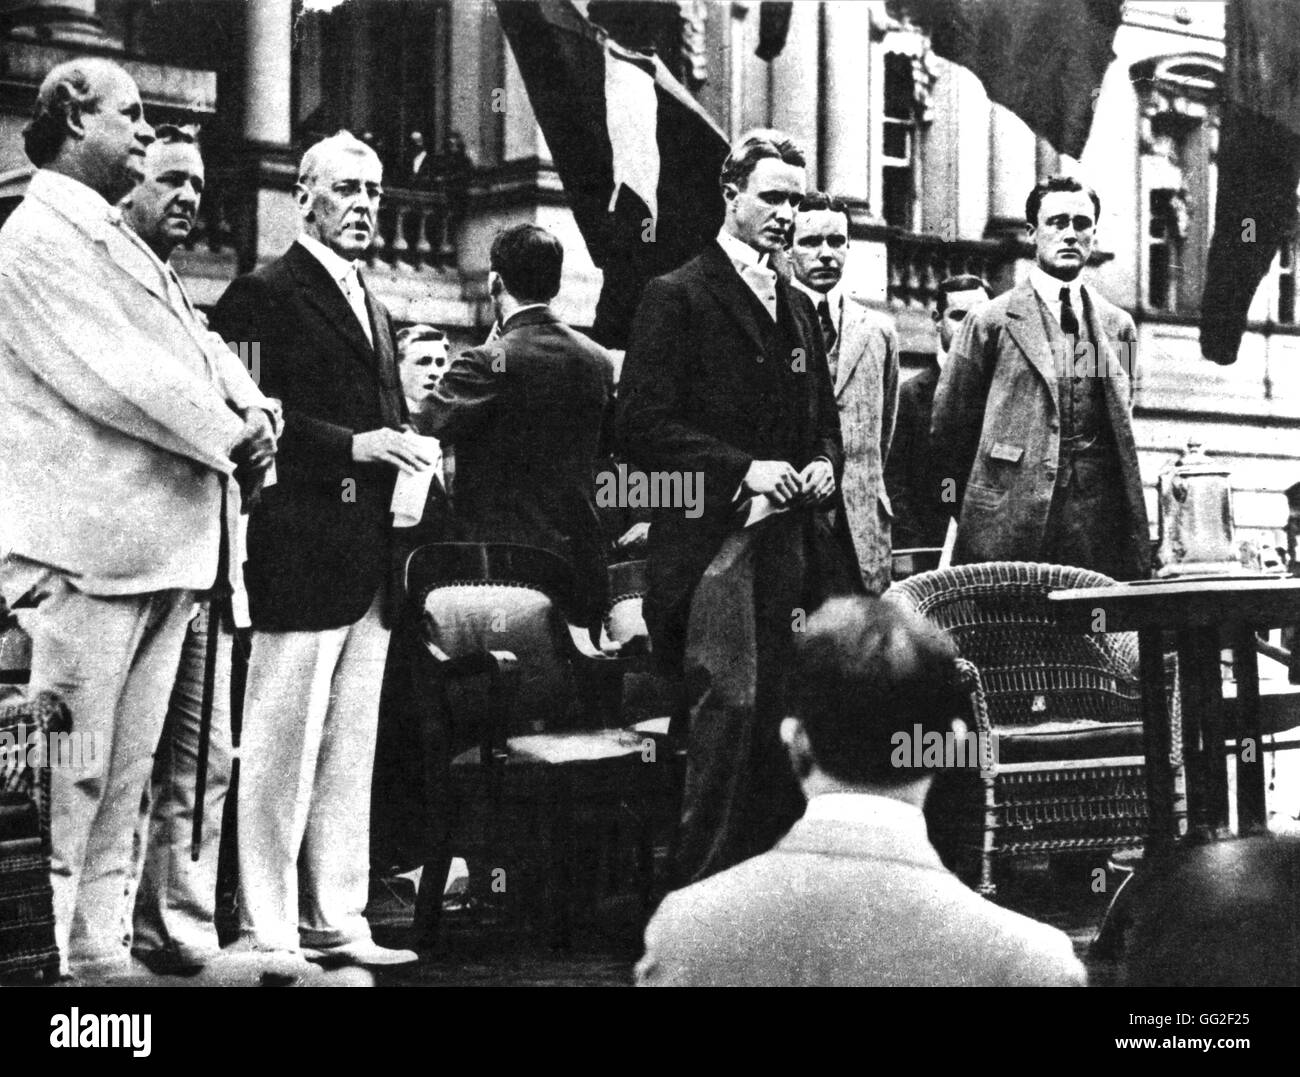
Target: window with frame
899 131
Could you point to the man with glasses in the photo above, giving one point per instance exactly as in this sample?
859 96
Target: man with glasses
1032 428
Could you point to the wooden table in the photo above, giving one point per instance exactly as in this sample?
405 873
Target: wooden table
1206 615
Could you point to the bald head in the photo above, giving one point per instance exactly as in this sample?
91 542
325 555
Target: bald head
89 124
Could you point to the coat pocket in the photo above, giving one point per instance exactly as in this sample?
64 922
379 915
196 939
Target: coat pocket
979 496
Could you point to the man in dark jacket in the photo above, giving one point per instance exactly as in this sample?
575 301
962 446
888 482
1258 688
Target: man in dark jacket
726 383
319 569
525 414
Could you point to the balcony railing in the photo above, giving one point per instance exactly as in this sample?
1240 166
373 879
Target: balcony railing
919 263
417 231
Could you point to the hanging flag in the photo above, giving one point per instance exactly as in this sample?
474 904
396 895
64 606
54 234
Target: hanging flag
773 29
1259 165
638 157
1042 59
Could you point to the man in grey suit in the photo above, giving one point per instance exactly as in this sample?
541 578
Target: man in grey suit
1032 415
862 353
855 895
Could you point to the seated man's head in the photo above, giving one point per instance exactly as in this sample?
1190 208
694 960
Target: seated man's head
865 672
762 184
422 358
524 265
164 206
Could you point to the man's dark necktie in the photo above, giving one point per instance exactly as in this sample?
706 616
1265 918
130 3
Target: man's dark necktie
1069 320
828 324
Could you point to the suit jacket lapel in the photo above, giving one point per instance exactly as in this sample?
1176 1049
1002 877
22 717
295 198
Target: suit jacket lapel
389 398
1025 325
734 295
852 345
322 292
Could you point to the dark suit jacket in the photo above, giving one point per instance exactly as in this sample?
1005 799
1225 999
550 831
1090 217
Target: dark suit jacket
710 384
920 518
839 904
319 541
525 415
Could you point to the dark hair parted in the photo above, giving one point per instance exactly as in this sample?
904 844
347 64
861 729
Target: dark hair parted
529 260
815 201
412 333
967 282
864 670
1052 184
756 146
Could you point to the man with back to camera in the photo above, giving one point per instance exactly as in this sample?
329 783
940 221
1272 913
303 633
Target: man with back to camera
526 416
920 513
855 894
319 570
1032 416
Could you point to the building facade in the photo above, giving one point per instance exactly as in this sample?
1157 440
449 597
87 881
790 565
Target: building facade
935 174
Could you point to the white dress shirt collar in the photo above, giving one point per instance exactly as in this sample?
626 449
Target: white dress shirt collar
835 297
82 204
335 265
1049 290
740 252
867 809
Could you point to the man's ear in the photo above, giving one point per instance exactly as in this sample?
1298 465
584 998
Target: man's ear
935 316
495 284
795 739
729 192
303 197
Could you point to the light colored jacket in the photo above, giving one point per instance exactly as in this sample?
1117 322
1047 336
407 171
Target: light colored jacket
840 904
866 392
118 406
996 427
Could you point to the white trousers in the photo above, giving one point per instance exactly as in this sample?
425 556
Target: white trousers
177 896
307 754
113 660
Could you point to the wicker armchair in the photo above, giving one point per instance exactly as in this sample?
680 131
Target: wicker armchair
1063 710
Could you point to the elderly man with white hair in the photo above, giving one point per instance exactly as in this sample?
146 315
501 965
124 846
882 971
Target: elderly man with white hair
318 572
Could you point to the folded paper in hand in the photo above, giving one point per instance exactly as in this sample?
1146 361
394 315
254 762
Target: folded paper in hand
411 491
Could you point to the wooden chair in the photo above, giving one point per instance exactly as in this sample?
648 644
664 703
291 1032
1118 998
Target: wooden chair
1062 706
27 949
536 801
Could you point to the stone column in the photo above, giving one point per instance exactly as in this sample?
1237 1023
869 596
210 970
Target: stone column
60 22
847 104
793 101
1012 167
268 79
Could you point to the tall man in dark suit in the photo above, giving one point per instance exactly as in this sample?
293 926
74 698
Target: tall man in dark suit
725 378
319 569
1032 413
920 513
855 894
525 416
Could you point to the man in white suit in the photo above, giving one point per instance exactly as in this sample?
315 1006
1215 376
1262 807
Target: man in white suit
862 350
855 894
123 426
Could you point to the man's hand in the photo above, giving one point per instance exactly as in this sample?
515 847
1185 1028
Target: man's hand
776 478
255 448
395 447
817 482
